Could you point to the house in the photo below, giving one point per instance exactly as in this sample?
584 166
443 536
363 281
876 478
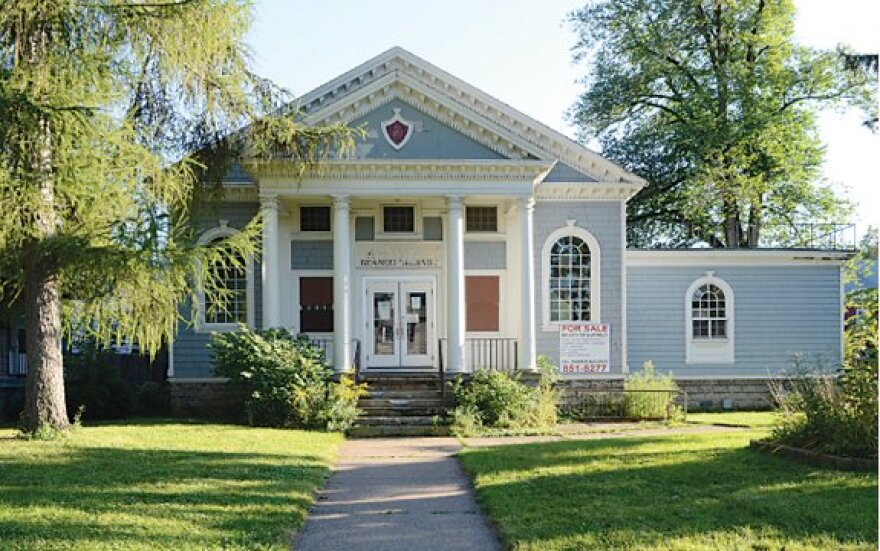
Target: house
464 234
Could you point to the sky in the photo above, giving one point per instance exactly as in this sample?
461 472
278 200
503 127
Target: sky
520 52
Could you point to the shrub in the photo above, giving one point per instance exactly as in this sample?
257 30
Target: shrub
281 381
95 381
828 413
494 399
836 414
644 396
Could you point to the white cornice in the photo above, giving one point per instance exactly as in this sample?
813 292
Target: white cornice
392 169
732 257
594 191
398 65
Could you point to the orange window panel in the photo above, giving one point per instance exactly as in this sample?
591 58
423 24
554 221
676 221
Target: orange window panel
482 301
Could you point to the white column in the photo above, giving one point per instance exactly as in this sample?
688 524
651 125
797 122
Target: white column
455 304
271 299
341 284
527 255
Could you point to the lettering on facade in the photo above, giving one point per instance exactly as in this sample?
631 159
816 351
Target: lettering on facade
389 256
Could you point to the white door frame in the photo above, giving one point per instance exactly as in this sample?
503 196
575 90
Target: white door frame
398 362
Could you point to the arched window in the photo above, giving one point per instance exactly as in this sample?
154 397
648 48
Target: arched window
229 306
236 303
571 276
709 312
709 305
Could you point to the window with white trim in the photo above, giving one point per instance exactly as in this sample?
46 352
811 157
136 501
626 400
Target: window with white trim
234 304
570 276
480 219
709 313
709 324
229 306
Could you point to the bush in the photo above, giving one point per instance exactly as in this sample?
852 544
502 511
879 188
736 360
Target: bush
826 413
95 383
836 414
644 397
281 381
494 399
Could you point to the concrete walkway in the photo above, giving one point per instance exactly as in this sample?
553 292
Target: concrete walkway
406 494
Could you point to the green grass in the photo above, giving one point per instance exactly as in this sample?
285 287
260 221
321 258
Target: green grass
160 485
706 491
754 419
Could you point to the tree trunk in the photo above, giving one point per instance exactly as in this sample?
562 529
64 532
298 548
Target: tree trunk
731 227
44 405
754 231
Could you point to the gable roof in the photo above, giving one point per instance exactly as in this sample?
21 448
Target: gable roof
398 73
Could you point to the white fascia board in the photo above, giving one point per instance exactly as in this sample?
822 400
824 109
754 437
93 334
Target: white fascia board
733 257
397 187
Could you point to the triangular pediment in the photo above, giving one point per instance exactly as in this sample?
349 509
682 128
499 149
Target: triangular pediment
474 125
423 136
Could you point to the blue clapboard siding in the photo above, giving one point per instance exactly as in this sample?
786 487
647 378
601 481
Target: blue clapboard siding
485 255
191 355
564 173
311 255
780 311
602 219
431 138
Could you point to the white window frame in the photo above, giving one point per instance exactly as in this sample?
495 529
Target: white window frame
499 220
710 350
314 235
571 230
416 234
202 326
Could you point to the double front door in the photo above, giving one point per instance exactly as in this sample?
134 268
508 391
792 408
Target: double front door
399 323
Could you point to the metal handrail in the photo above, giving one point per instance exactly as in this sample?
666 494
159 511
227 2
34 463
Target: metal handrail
821 236
356 361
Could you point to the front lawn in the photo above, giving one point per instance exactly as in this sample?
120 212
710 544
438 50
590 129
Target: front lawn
696 491
753 419
152 485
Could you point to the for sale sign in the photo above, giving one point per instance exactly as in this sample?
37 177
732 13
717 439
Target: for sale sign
584 347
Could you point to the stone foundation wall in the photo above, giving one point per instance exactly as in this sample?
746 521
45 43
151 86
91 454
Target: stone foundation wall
719 394
202 399
702 394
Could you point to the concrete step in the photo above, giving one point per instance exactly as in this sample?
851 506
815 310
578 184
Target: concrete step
401 412
399 420
381 431
399 402
382 394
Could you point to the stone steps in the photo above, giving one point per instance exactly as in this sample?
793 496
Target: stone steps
401 406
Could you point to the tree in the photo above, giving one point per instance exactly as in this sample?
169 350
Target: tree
714 104
101 103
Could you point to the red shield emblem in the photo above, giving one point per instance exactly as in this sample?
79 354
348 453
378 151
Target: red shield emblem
397 130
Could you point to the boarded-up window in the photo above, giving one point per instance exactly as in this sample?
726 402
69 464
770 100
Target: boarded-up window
481 296
316 304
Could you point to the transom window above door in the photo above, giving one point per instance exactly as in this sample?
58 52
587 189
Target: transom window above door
314 218
399 219
481 219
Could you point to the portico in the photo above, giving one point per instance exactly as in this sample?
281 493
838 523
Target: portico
399 239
